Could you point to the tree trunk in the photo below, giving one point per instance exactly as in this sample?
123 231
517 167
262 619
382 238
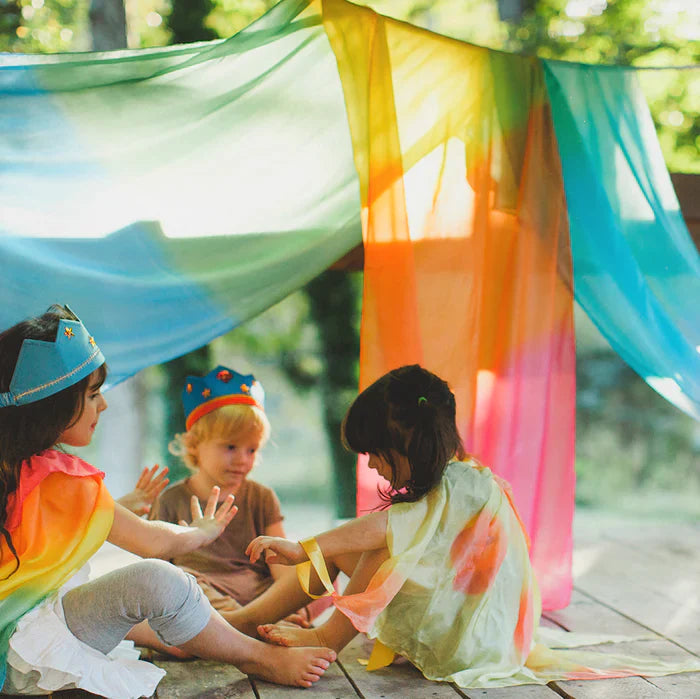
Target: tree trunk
334 301
513 10
108 25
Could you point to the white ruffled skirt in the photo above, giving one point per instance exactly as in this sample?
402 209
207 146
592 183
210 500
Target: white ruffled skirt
44 657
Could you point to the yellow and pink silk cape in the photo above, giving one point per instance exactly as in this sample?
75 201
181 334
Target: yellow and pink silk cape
458 596
60 514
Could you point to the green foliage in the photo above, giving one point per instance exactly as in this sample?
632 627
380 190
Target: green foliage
230 16
335 301
196 363
616 32
10 17
187 21
44 26
631 443
628 32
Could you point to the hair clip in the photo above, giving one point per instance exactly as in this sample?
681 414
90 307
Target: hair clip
422 399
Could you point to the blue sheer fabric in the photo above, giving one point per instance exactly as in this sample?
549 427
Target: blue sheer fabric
636 269
169 194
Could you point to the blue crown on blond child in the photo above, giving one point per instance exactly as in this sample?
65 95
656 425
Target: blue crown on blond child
44 368
221 386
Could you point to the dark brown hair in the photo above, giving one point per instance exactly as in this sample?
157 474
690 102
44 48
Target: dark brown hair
26 430
411 412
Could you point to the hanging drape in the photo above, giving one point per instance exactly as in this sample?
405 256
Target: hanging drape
467 261
169 194
636 269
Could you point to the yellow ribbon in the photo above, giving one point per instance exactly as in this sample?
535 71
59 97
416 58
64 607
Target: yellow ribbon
381 656
313 551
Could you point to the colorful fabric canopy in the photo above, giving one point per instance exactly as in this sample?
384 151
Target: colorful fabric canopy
169 194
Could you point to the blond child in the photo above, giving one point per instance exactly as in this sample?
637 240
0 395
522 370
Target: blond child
226 429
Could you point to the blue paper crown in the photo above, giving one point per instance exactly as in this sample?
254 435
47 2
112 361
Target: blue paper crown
221 386
44 368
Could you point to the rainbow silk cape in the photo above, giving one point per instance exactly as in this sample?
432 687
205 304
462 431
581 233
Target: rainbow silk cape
58 517
170 194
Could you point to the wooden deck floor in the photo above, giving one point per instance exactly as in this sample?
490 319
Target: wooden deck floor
631 578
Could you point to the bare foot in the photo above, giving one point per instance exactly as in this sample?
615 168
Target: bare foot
298 620
297 667
290 636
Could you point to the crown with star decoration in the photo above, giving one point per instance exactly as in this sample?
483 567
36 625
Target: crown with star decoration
221 386
44 368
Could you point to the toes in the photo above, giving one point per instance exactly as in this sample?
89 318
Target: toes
270 634
310 677
265 630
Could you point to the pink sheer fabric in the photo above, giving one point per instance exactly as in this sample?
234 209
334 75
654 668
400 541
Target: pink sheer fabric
467 260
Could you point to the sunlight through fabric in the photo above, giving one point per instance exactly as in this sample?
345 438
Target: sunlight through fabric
471 275
169 194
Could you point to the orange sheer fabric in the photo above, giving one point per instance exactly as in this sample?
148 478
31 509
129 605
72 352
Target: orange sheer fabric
467 260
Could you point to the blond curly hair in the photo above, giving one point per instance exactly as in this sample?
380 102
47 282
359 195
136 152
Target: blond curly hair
231 422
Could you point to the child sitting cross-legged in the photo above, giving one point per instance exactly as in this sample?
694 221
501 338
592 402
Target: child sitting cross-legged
226 428
59 629
441 576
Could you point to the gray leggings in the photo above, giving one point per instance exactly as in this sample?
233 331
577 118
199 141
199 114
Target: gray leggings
101 612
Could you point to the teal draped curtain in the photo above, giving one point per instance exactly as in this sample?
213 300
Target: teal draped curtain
636 269
169 194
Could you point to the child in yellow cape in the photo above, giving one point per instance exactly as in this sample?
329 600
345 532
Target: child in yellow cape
443 576
57 630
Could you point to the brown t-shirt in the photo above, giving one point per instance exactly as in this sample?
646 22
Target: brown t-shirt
223 563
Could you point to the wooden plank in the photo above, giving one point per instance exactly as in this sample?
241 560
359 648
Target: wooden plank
683 684
400 679
630 686
525 691
690 641
624 688
663 598
333 685
586 615
674 544
203 679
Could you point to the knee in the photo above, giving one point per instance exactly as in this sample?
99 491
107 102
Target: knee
156 579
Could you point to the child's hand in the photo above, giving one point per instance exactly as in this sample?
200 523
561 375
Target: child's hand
149 486
213 521
276 550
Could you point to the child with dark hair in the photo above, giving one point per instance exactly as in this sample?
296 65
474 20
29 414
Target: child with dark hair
442 575
57 630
